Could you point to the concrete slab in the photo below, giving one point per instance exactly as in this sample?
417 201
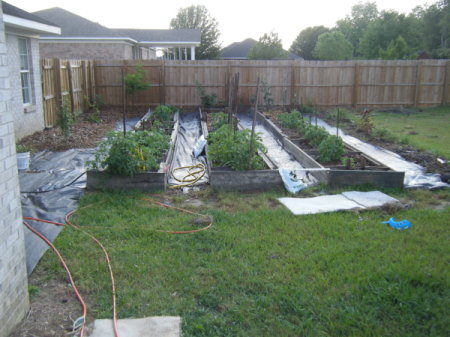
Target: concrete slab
162 326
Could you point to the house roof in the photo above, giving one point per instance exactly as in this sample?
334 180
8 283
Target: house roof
238 50
162 35
18 18
73 25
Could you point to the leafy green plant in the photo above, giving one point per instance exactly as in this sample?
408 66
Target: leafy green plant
135 82
331 149
314 134
132 153
291 120
163 113
207 100
21 148
219 119
348 162
307 108
267 94
66 118
365 123
231 148
94 108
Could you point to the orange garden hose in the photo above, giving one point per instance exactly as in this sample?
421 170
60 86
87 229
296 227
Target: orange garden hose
107 257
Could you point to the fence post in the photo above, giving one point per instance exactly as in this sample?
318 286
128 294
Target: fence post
227 83
292 93
162 82
445 86
57 79
356 85
84 86
418 80
70 75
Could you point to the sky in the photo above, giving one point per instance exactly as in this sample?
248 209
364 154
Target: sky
238 19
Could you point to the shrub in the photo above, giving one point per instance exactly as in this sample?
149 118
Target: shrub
132 153
67 118
365 123
163 113
291 120
207 100
135 82
231 148
331 149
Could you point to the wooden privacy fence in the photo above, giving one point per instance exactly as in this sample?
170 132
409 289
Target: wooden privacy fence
66 81
321 83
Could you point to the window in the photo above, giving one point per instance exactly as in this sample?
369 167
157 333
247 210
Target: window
25 69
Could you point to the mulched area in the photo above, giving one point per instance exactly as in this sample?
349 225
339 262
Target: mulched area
84 133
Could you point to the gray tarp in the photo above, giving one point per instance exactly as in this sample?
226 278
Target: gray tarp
188 135
276 152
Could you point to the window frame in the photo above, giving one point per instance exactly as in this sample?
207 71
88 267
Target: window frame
25 70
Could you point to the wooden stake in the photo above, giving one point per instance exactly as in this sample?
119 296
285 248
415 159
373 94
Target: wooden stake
250 150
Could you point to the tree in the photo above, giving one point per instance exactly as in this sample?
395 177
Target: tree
268 47
333 46
397 49
305 42
199 17
354 25
387 27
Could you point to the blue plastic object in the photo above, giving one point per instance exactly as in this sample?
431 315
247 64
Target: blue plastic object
400 225
292 184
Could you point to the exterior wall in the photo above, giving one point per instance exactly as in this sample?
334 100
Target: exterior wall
30 119
83 51
13 277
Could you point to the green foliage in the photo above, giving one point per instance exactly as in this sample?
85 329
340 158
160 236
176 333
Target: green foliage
32 290
331 149
269 47
348 162
163 113
365 123
305 42
94 107
291 120
219 119
21 148
129 154
207 100
397 49
135 82
307 109
231 148
386 28
333 46
314 134
267 94
354 25
198 16
67 118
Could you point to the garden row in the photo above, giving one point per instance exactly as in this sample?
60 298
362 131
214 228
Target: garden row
237 157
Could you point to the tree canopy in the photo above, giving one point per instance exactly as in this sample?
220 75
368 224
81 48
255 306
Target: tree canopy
199 17
268 47
306 41
333 46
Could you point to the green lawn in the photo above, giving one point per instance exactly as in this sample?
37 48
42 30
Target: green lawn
425 130
260 271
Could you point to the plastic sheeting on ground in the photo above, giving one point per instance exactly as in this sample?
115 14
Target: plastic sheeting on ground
276 152
338 202
415 175
189 133
129 123
50 189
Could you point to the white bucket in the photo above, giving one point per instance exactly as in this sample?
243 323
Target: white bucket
23 160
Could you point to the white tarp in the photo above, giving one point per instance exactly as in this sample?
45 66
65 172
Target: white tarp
338 202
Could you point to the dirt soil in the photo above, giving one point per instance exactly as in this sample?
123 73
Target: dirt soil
84 134
53 308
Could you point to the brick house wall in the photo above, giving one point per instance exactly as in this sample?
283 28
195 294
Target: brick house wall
83 51
30 119
13 276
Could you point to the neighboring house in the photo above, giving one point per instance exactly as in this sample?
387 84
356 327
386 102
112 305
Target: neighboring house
22 31
84 39
240 50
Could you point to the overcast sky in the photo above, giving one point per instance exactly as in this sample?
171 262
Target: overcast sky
238 19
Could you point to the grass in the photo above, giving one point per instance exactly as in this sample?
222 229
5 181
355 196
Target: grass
261 271
425 130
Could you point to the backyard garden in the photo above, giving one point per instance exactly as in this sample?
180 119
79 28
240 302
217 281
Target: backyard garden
259 270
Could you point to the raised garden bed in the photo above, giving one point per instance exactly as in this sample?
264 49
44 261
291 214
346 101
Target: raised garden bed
146 181
227 179
359 169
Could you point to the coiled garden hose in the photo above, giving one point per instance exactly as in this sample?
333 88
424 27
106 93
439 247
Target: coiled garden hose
194 174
